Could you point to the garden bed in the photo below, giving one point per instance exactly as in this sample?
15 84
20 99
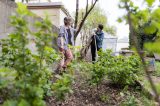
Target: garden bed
107 94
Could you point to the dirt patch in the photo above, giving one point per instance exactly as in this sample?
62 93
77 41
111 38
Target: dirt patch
107 94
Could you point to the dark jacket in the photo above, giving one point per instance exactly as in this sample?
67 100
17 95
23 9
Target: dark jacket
99 39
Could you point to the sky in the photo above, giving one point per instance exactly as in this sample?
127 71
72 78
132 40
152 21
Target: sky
111 10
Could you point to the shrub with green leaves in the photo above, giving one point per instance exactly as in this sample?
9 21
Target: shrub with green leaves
7 77
152 47
62 86
120 69
125 70
97 73
98 69
30 73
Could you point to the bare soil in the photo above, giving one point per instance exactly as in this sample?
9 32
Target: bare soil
107 94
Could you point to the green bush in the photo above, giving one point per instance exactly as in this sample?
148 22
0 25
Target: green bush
120 69
152 47
62 86
30 73
98 69
7 77
125 70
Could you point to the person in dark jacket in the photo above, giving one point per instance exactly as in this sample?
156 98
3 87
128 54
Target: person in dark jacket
97 41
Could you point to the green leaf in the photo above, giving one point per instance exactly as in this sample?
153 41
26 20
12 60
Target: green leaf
153 47
23 103
10 103
150 2
120 20
150 29
156 14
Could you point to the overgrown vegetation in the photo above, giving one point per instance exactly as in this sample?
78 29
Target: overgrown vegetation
157 69
62 86
145 24
27 78
120 69
143 21
96 17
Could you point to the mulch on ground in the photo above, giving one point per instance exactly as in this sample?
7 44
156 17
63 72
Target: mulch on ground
107 94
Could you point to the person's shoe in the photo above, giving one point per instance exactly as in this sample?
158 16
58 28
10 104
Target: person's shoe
64 69
58 71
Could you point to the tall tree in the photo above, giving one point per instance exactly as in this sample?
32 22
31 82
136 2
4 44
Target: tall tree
77 14
96 17
88 10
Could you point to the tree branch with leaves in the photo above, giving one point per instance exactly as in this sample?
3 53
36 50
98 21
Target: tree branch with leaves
133 23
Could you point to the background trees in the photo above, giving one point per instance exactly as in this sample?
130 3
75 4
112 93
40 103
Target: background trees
136 18
97 16
84 16
145 23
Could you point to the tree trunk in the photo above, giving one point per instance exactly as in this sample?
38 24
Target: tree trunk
85 17
77 14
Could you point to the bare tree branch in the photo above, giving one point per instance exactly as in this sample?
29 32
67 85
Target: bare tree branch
82 15
92 2
77 14
85 17
87 6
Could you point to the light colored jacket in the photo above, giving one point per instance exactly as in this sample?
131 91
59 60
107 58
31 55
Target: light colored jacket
62 40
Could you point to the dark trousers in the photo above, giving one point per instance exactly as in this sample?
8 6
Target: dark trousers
93 49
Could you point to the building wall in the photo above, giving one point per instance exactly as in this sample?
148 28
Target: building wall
54 14
7 8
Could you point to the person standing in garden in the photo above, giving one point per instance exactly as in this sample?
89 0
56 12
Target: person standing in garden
97 39
65 38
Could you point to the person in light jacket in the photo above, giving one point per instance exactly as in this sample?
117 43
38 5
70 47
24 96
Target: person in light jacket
65 38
